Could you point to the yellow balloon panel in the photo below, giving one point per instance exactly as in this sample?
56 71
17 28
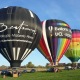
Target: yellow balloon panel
74 45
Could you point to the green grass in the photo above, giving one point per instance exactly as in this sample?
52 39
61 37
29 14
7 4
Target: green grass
64 75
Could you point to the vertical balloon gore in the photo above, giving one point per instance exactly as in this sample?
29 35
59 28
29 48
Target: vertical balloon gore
20 32
73 52
56 37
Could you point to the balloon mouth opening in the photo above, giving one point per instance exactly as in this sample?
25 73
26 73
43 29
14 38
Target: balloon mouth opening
54 63
15 64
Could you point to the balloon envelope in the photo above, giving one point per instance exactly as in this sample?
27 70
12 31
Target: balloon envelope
73 52
20 32
55 39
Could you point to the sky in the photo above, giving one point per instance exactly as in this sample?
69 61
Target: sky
66 10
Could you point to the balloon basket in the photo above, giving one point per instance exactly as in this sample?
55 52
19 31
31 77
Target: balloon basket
4 76
74 65
15 74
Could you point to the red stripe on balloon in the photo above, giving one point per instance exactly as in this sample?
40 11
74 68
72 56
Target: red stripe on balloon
44 48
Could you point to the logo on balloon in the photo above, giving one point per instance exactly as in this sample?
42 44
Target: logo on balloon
17 33
61 32
21 26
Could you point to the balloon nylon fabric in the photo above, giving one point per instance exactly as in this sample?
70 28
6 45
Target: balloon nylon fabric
55 39
73 52
20 32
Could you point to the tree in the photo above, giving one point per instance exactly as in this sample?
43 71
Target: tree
30 65
47 65
3 66
39 66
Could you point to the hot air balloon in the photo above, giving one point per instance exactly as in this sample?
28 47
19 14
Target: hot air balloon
56 37
73 52
20 32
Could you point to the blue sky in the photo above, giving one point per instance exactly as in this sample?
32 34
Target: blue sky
66 10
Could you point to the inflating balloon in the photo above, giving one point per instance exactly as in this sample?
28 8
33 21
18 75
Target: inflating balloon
55 39
73 52
20 32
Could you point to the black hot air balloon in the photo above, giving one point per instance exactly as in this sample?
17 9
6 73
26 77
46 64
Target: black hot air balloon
56 37
20 32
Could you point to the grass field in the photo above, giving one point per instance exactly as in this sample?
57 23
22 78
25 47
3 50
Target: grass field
64 75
